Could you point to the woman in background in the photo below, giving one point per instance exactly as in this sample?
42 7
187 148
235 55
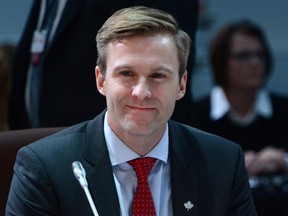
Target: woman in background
242 109
239 106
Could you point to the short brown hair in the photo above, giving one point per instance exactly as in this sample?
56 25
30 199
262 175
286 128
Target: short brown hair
141 20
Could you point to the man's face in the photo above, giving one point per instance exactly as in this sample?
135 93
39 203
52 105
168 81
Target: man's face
141 84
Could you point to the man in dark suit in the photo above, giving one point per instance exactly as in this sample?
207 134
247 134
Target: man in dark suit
69 59
141 70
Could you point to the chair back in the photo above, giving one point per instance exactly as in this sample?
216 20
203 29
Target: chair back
10 142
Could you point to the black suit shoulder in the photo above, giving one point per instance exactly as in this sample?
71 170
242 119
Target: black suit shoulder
280 104
205 141
201 114
215 160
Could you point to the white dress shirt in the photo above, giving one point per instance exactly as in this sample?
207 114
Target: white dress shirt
125 177
220 106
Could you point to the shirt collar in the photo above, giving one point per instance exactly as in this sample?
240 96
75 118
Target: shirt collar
220 104
120 152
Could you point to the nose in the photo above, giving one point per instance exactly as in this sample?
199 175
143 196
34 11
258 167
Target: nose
255 60
142 90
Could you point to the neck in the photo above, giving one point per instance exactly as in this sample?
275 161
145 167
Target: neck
241 102
142 145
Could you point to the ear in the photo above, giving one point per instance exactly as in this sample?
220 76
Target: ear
100 81
182 86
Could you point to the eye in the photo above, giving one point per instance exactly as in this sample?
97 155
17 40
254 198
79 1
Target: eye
126 73
157 76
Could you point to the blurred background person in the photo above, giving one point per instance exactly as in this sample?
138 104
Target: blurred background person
240 107
6 58
58 51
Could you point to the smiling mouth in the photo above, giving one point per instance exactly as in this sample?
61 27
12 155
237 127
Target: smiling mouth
140 108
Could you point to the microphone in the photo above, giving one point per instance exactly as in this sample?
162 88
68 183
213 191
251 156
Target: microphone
80 175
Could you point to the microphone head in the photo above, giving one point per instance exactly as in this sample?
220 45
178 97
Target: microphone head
79 173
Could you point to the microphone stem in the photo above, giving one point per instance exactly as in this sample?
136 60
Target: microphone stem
90 201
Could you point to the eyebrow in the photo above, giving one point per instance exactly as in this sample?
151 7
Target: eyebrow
128 67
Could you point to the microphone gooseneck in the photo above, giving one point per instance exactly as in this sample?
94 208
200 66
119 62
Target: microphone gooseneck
80 175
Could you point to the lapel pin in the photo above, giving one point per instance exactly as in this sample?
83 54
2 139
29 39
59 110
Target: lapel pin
188 205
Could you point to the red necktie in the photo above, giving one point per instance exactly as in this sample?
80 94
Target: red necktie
143 202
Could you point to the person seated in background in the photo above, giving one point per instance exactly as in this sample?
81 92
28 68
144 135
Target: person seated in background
6 57
240 107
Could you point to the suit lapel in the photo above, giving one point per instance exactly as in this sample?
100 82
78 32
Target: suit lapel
99 170
189 179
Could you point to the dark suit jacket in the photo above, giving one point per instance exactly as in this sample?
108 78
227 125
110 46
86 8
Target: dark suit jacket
68 92
255 136
205 169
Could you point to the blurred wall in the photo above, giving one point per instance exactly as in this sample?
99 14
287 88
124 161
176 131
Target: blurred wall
13 15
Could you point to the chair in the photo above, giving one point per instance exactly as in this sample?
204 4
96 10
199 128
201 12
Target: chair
10 143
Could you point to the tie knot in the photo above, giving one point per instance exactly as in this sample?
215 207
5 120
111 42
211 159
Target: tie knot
142 167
